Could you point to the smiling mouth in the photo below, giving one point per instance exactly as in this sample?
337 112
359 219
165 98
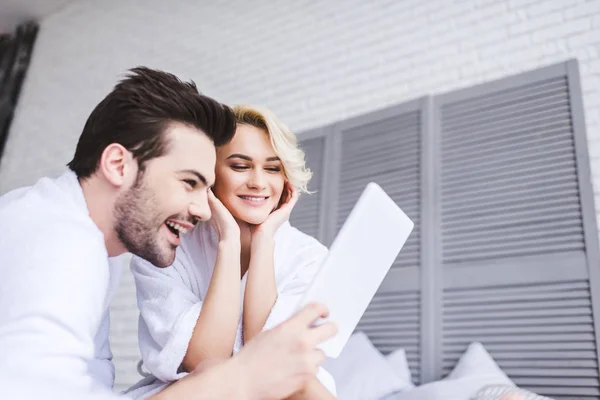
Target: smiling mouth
255 199
175 228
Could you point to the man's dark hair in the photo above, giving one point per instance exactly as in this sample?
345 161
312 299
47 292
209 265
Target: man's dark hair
137 113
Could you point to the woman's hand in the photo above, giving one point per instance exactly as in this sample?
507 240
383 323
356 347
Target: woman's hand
222 220
280 215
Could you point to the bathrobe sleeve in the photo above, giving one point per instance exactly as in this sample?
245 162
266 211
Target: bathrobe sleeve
53 294
169 310
304 264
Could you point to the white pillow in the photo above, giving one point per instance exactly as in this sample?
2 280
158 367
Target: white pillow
362 372
477 361
475 370
399 364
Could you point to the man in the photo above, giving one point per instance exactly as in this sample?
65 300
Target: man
143 165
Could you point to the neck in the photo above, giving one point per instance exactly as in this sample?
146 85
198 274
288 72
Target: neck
100 199
245 236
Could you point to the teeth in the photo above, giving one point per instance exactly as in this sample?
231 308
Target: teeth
177 226
256 199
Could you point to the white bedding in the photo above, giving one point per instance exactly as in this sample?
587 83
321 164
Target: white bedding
362 372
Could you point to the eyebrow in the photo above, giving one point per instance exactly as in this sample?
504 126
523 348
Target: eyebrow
245 157
198 175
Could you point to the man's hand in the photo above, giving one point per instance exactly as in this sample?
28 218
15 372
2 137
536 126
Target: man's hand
274 365
281 361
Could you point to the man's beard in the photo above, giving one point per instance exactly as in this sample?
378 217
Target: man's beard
138 222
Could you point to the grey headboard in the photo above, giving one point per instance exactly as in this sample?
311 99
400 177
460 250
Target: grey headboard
497 180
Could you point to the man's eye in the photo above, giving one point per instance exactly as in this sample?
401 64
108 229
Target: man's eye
192 183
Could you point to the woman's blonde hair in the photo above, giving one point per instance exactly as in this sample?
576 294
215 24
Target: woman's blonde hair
282 139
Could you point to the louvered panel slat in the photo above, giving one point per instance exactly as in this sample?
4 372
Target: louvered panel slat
385 138
503 155
401 187
491 305
491 179
498 176
525 194
406 121
512 185
460 213
519 233
547 118
537 322
387 164
508 292
496 298
392 321
584 367
305 215
496 118
458 109
553 154
503 225
554 128
506 148
531 104
527 356
541 335
387 180
566 192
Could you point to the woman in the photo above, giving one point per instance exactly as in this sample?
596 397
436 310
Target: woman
242 272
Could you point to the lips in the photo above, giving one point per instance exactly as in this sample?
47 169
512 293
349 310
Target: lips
175 228
254 201
172 235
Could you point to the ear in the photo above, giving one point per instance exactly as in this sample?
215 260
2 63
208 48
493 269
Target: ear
285 194
117 165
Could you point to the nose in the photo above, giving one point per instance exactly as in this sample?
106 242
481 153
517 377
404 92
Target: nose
200 209
256 180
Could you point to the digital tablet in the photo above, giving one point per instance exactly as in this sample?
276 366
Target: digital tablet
359 259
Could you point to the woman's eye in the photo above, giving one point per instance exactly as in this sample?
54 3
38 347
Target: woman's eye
273 169
192 183
239 167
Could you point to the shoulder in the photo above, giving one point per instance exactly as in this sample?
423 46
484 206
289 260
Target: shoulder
43 208
297 242
40 225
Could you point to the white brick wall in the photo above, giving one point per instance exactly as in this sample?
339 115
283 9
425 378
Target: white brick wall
312 62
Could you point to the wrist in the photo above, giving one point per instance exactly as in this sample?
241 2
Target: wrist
262 239
242 376
229 244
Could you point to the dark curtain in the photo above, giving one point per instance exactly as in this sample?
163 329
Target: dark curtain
15 54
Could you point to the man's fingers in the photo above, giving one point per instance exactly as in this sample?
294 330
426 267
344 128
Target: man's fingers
317 357
309 314
322 332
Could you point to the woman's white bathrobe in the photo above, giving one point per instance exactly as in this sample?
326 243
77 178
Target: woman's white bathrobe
170 298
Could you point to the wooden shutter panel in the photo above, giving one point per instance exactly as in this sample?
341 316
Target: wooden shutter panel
385 147
513 251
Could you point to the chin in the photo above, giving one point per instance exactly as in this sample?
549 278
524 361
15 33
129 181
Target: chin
167 258
255 218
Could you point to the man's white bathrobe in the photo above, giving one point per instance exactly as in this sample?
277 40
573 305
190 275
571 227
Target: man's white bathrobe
170 299
57 282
